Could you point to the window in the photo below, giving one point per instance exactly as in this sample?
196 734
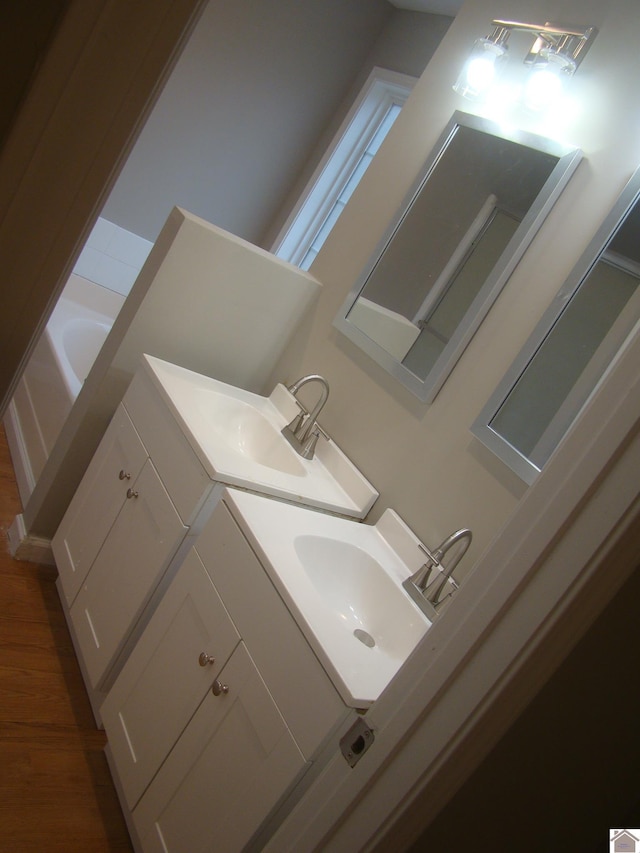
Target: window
343 166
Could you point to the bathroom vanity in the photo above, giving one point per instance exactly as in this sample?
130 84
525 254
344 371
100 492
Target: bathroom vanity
221 702
177 438
231 615
252 667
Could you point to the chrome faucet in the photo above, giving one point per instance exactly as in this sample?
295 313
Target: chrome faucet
431 579
303 431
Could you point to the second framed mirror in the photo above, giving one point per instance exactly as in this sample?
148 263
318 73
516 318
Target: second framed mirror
479 200
569 351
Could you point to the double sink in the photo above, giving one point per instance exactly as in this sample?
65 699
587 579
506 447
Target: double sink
340 578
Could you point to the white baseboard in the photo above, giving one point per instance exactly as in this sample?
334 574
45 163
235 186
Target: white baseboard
32 549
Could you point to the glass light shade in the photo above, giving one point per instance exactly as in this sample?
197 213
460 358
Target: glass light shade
481 69
546 80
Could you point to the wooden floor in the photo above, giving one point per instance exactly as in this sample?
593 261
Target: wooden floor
56 793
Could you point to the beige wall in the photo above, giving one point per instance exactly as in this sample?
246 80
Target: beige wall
251 106
423 459
250 94
406 45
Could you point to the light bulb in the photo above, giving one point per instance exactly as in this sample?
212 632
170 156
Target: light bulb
546 81
481 72
481 69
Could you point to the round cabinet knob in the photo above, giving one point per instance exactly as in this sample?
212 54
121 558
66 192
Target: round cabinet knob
218 687
204 659
131 493
124 475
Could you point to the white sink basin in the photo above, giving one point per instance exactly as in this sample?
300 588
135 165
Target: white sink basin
363 599
342 581
245 430
236 434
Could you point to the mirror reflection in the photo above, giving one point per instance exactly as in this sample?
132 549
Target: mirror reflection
463 227
571 348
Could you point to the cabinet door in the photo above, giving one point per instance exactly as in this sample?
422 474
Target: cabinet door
93 509
164 679
127 569
234 761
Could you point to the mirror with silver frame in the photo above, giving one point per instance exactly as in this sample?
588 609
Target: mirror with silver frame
572 346
479 200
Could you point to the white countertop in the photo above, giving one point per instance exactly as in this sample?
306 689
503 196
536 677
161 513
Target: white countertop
329 481
359 672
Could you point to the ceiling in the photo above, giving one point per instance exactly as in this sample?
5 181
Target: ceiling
437 7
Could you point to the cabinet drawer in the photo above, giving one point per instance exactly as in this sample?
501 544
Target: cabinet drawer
179 468
97 502
163 680
301 688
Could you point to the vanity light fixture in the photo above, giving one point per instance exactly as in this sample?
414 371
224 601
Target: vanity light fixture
554 56
487 59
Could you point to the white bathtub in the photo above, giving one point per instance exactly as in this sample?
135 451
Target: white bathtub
54 375
73 338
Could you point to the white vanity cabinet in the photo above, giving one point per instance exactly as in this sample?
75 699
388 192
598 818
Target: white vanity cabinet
229 769
214 702
134 506
144 536
181 652
95 506
203 752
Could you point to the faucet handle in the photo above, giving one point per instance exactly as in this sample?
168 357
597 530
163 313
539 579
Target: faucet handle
303 431
422 576
429 554
298 420
321 432
434 590
432 584
309 447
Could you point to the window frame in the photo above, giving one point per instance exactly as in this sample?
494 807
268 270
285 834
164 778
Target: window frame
383 89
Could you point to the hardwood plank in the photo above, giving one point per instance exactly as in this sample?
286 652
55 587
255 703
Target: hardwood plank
22 569
56 792
52 736
36 646
39 697
28 600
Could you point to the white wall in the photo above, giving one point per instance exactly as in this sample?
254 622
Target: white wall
422 459
112 257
